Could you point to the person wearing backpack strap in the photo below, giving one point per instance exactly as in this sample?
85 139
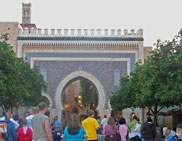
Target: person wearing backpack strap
11 132
3 129
170 134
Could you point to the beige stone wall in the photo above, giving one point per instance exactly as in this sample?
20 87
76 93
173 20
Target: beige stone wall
147 50
12 29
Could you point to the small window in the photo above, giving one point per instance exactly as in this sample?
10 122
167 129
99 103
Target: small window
44 74
26 13
117 77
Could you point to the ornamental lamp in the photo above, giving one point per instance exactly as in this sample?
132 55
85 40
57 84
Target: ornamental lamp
66 106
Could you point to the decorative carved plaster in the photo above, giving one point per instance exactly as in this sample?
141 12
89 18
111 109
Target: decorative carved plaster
49 98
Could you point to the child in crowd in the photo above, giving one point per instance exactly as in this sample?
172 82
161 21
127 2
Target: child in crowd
25 133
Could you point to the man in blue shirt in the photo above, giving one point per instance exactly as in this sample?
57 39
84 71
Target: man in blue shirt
170 134
178 136
57 123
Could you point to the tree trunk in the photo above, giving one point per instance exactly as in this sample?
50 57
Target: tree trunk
156 115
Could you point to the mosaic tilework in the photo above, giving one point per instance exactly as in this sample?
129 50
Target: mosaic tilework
132 56
104 71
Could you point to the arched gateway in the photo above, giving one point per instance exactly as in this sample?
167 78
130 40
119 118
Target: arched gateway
100 57
93 79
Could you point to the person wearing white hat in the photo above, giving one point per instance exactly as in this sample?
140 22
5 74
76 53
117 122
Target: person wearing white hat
168 133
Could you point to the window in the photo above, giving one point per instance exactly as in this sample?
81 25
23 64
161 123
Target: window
44 74
26 13
116 77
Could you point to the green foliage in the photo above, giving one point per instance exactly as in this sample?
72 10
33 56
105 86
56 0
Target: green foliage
126 96
89 93
156 83
19 84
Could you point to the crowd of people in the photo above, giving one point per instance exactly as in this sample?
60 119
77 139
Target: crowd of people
37 127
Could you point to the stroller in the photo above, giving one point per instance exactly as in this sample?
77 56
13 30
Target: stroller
57 134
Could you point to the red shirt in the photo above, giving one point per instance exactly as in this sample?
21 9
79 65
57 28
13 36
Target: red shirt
28 136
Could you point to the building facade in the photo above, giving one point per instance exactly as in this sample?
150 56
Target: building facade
10 28
100 57
63 55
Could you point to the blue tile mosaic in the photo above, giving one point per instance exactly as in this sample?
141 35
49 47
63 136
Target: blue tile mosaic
103 71
132 56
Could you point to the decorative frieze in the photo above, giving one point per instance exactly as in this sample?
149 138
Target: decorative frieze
82 44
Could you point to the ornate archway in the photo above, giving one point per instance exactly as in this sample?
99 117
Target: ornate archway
49 98
84 74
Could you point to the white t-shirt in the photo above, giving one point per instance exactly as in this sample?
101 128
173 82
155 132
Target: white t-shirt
136 131
104 122
15 123
2 118
29 121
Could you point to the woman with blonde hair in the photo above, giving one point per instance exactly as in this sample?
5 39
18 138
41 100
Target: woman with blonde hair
74 131
110 130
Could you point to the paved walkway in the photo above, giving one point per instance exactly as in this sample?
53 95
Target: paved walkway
102 137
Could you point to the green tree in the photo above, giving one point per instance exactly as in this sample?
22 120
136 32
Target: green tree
126 96
19 84
89 94
155 84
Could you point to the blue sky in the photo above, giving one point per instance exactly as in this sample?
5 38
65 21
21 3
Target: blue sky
160 19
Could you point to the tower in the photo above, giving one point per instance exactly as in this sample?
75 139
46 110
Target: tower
26 16
26 13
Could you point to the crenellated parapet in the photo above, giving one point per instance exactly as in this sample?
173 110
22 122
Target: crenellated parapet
82 32
81 39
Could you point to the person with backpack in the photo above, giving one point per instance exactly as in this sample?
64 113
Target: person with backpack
169 133
74 131
149 130
10 135
110 130
25 133
3 129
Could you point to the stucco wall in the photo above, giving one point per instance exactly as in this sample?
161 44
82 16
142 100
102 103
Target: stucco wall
147 51
12 29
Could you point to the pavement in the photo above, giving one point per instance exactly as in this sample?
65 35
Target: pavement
102 138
